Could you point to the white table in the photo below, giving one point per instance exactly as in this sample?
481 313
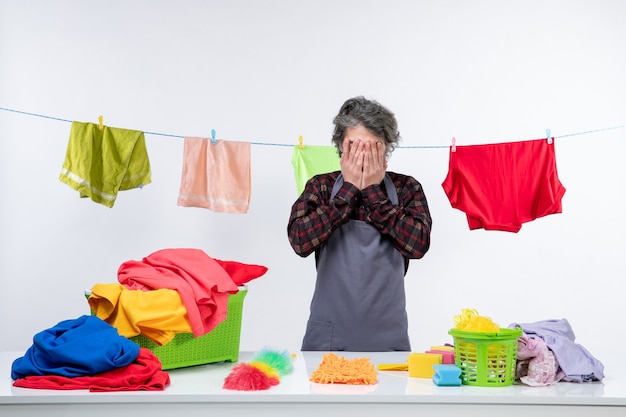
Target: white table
198 391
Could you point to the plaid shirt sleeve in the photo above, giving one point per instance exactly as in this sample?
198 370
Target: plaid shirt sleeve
408 224
314 216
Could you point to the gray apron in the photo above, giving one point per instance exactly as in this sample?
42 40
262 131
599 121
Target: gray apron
359 302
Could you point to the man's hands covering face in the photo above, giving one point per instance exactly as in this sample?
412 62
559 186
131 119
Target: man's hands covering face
363 163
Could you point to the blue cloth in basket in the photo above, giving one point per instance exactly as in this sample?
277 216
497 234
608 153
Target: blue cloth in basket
83 346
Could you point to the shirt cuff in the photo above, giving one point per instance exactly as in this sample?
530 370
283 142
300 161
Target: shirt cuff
346 195
373 195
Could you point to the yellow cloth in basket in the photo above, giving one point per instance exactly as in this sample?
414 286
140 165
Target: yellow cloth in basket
156 314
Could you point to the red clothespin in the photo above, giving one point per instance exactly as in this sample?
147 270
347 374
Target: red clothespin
453 144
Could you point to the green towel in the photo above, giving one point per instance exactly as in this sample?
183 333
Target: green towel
312 160
99 163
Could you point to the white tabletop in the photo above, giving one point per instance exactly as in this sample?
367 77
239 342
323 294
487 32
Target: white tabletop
203 385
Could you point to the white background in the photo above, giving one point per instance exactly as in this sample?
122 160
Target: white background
269 71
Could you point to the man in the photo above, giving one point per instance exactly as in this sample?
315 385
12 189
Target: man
364 224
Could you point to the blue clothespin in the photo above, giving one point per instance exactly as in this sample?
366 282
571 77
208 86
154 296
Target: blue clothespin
549 137
213 136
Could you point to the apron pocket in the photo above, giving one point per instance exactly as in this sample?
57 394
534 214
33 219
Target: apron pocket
318 336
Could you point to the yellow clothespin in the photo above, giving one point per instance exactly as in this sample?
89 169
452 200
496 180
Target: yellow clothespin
300 142
101 122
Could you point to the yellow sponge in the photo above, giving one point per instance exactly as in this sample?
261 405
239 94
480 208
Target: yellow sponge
421 364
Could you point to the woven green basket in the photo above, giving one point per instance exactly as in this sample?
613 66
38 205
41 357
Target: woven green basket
486 359
220 344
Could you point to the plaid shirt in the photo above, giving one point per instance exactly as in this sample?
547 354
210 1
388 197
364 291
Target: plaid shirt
314 216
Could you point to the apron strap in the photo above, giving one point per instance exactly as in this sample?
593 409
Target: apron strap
389 187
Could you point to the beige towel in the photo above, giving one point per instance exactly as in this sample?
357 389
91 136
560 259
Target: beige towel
216 176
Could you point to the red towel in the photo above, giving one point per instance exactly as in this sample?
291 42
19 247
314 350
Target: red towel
202 283
143 374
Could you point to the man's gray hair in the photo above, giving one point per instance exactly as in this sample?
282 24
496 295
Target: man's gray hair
371 115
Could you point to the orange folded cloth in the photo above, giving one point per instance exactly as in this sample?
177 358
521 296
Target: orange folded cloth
216 175
339 370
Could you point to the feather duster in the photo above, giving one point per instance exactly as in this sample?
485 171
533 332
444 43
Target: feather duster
263 372
281 361
245 377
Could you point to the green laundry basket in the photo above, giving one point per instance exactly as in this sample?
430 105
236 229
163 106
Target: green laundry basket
220 344
486 359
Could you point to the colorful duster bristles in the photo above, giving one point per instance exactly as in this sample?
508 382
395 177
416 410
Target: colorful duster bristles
261 373
280 361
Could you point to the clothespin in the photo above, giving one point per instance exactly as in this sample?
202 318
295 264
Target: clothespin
101 123
300 142
213 136
549 137
453 144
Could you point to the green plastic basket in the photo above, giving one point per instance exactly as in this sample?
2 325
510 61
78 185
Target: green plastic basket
486 359
219 345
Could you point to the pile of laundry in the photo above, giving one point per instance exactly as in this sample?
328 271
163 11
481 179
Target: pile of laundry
87 353
170 291
547 353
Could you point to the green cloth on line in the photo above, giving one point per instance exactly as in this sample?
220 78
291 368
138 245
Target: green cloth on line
313 160
99 163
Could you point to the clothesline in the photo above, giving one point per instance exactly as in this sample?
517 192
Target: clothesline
291 144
